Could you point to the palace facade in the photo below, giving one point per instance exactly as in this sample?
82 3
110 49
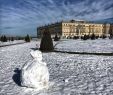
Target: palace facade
76 28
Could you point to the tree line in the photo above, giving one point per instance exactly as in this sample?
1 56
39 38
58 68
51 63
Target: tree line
92 37
5 38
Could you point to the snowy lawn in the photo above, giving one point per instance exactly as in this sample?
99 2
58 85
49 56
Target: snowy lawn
11 42
90 46
70 74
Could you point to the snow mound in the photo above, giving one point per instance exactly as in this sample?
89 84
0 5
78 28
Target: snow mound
35 74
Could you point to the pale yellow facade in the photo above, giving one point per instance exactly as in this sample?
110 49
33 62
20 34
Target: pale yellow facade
76 28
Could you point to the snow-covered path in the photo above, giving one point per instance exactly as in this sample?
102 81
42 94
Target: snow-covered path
71 74
2 44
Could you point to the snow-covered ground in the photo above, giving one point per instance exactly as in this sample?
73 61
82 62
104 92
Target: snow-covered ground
11 42
70 74
90 46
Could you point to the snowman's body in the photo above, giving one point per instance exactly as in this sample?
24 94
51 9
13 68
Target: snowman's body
35 74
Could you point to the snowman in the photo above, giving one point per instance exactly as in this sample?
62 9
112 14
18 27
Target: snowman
35 74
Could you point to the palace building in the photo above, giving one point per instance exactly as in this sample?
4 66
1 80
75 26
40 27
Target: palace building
76 28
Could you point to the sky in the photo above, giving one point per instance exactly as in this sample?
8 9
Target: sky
21 17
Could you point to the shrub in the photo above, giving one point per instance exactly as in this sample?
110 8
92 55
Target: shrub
85 37
69 37
111 37
46 42
81 37
27 38
111 34
104 36
96 37
93 36
75 37
3 38
56 38
12 39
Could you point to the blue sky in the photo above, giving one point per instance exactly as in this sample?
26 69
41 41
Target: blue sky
21 17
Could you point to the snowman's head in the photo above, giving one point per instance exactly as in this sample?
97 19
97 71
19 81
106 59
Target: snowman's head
37 55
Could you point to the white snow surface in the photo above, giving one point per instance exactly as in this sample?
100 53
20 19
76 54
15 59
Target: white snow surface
35 74
70 74
11 42
89 46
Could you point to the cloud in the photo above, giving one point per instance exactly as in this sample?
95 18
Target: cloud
24 16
